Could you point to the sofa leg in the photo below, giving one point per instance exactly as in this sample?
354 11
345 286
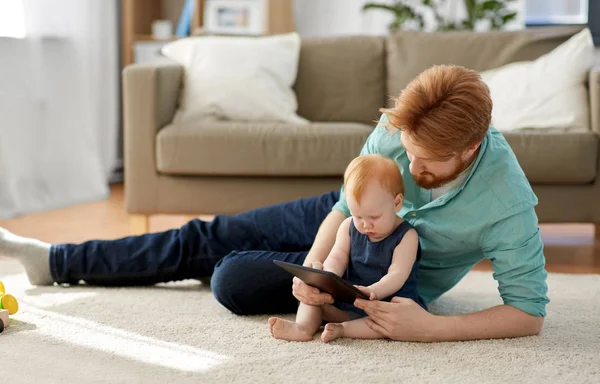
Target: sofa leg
139 224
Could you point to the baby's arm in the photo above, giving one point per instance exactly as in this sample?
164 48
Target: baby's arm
403 259
337 261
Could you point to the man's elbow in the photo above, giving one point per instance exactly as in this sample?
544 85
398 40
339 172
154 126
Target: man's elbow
538 323
531 325
528 324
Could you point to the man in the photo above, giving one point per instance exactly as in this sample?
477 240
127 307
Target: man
465 194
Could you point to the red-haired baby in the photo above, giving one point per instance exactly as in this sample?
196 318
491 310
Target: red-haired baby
375 249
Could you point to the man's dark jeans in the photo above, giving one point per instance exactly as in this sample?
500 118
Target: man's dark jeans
237 251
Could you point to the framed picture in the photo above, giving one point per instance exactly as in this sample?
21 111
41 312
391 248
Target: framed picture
235 17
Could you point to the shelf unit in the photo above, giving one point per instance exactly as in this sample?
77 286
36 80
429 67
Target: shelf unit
137 17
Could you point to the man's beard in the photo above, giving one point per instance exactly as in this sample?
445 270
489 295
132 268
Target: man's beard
428 180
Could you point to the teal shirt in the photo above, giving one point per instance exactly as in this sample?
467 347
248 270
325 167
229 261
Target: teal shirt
491 215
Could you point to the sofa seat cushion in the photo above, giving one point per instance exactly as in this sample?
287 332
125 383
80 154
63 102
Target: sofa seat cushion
556 156
259 149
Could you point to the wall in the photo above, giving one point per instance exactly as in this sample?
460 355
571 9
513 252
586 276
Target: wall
338 17
345 17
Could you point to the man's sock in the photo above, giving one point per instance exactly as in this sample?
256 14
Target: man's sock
32 254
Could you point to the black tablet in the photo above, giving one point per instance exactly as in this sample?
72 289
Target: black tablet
329 282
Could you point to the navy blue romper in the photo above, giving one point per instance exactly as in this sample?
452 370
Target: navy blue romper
369 262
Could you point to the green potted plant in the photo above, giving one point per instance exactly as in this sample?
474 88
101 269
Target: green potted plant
494 12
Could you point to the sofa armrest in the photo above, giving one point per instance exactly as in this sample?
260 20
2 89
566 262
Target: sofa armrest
594 87
150 95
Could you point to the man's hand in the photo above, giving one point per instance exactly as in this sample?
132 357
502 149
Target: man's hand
401 319
367 291
310 295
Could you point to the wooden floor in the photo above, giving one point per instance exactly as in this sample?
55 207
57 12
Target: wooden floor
569 248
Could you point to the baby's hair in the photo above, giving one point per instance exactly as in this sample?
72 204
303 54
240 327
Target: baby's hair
368 168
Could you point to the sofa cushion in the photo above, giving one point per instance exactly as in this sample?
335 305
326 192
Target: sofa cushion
259 149
325 149
259 71
556 156
341 79
410 52
548 92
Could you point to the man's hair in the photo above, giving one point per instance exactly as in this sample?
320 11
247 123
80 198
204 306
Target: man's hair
445 110
373 168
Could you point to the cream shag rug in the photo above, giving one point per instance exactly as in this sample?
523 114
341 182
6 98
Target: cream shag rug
178 333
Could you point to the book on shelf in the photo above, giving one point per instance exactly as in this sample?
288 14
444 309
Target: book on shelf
185 20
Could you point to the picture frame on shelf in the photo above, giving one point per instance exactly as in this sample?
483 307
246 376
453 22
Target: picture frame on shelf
235 17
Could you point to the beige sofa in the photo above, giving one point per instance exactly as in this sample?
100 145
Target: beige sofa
228 167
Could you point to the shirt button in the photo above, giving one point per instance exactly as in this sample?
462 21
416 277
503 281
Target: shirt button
414 214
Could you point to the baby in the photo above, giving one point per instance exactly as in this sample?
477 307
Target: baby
375 249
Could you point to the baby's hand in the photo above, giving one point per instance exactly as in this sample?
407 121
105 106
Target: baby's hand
367 291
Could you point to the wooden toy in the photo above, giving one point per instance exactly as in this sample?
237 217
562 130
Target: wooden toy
8 306
3 319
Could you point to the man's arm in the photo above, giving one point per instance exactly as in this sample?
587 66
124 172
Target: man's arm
403 259
514 246
337 261
327 231
318 253
325 238
494 323
403 319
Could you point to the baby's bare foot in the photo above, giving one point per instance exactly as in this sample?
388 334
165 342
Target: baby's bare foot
332 331
288 330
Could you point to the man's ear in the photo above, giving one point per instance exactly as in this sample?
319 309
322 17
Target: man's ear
471 150
398 201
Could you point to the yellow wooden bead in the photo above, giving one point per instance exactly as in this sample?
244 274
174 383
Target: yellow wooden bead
9 303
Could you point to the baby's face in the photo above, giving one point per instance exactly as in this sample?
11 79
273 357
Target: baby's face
375 216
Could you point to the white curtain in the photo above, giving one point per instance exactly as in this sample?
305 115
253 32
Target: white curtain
59 114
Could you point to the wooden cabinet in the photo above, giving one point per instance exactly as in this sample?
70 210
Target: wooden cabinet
137 17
